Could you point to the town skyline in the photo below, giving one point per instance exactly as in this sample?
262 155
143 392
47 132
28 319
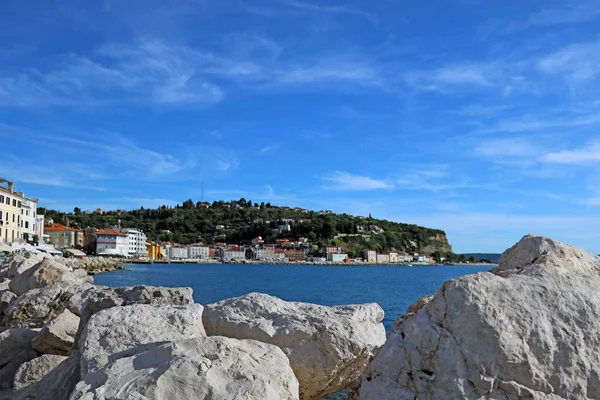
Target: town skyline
480 121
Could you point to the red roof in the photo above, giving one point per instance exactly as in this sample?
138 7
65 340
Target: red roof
58 228
109 232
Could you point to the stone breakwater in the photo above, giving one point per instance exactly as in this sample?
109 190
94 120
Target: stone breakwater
526 329
62 337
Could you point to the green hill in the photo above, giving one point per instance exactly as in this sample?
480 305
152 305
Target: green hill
242 220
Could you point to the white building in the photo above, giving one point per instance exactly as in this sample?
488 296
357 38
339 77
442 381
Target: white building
233 253
178 252
111 243
136 242
199 252
29 224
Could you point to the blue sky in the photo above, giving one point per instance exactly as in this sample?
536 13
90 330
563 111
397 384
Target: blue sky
477 117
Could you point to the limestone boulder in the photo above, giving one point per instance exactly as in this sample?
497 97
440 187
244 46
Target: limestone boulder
34 370
117 329
39 306
18 263
531 334
412 310
45 273
57 336
6 297
55 385
15 349
328 347
215 368
538 250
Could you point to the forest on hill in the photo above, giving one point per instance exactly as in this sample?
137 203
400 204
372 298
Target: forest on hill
239 221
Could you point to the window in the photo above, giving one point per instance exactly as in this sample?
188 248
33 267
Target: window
19 204
1 198
7 201
14 202
13 217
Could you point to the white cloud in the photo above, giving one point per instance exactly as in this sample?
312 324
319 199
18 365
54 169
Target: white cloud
579 62
330 9
268 148
347 181
508 147
464 75
586 155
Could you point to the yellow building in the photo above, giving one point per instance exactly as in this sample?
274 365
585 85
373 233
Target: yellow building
154 250
10 213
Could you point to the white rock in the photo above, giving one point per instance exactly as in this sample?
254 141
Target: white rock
56 385
6 297
214 368
15 349
58 335
533 334
45 273
34 370
117 329
538 250
328 347
39 306
19 263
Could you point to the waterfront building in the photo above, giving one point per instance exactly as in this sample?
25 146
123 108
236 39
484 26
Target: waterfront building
233 253
110 242
383 258
60 236
178 252
198 252
337 257
39 226
29 219
154 250
136 242
393 257
295 255
369 256
331 250
10 214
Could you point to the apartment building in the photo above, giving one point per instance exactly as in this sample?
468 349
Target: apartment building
110 242
60 236
198 252
10 213
136 242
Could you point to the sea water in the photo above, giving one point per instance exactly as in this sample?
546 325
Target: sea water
394 288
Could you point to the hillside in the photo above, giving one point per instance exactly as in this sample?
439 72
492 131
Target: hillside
240 221
494 257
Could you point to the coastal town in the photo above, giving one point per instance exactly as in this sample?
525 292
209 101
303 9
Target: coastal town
22 225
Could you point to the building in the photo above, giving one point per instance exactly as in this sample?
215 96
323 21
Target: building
10 213
111 243
295 255
60 236
233 253
178 252
393 257
29 219
336 257
257 240
136 242
383 258
369 256
198 252
331 250
154 250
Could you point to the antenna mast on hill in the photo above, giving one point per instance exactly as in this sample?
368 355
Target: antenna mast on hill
203 191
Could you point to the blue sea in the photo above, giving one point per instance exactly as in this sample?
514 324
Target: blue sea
394 288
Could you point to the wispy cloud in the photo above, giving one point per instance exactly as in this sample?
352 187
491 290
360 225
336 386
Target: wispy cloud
507 147
268 148
330 9
579 62
347 181
582 156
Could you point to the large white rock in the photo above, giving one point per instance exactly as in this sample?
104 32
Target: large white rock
533 334
18 263
98 298
56 385
214 368
58 335
117 329
34 370
538 250
39 306
15 349
45 273
328 347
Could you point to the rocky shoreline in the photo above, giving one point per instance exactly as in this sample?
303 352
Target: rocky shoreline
526 329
